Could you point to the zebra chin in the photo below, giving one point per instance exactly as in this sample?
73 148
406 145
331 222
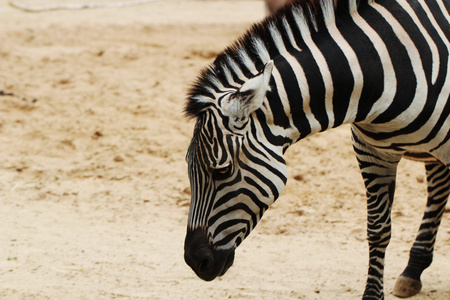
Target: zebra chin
207 262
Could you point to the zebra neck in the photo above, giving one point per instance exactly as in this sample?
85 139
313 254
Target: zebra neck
311 95
340 75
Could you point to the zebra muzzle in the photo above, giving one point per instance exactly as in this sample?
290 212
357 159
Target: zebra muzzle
207 262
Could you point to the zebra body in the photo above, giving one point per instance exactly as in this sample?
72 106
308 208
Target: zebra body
381 66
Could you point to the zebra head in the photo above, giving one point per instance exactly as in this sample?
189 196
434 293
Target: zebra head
235 174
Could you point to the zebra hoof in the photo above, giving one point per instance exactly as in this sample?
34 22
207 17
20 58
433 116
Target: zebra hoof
406 287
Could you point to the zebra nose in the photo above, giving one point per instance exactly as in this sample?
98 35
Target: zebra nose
198 254
206 262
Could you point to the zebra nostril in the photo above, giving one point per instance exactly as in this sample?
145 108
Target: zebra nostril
207 263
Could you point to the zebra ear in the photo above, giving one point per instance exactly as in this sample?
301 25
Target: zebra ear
249 97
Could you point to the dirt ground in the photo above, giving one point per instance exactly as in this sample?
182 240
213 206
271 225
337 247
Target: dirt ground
93 184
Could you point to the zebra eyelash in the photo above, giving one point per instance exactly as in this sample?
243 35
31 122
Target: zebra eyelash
221 173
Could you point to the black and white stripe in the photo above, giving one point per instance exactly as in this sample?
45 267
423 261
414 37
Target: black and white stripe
382 66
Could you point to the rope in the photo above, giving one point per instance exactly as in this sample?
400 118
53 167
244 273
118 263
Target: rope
77 6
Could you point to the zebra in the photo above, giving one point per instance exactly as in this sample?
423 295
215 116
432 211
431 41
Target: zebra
380 65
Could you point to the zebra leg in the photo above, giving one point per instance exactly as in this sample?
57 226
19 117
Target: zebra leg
421 254
378 169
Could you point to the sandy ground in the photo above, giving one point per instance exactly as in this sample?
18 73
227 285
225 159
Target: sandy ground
93 184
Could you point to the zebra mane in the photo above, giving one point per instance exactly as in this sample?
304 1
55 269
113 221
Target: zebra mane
265 40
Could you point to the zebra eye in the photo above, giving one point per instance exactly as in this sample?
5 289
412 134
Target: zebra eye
221 173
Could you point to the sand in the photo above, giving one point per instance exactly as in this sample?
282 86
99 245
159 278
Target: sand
93 183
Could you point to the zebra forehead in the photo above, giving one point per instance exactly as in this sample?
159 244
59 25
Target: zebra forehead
195 141
202 132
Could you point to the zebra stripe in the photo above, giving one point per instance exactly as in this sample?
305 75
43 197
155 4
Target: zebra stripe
382 66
